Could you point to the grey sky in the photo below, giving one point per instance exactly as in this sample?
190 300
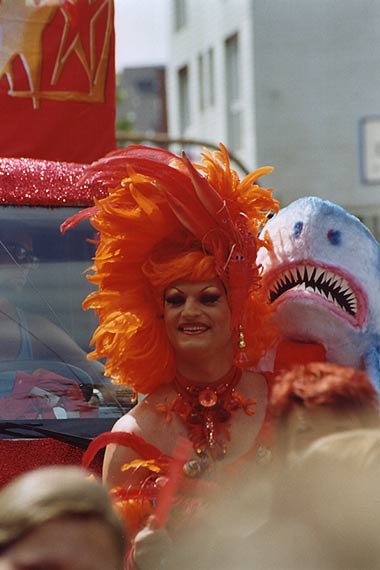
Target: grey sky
141 31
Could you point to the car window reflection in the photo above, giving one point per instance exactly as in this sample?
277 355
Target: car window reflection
44 332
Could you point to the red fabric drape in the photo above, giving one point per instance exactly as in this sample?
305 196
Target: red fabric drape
57 80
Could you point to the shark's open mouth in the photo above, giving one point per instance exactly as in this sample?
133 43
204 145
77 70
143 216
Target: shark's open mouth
319 280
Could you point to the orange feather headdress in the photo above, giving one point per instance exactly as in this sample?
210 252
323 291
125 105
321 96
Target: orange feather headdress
165 219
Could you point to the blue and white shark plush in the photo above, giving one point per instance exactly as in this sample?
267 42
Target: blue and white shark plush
323 276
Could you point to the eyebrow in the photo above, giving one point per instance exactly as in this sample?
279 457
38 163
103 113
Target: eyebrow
175 289
201 291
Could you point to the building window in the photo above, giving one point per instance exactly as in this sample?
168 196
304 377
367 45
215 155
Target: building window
206 79
211 76
184 99
179 14
233 93
147 85
201 82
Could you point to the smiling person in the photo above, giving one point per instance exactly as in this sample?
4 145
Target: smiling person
182 318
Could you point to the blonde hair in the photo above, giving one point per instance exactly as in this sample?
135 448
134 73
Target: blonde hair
49 493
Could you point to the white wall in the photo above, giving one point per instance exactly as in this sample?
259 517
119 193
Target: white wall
209 24
317 73
311 72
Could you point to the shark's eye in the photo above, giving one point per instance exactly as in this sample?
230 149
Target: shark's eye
334 237
297 229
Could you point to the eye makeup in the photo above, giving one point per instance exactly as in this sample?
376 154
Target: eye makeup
175 299
208 296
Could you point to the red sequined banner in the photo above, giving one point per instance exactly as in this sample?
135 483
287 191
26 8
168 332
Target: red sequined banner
57 79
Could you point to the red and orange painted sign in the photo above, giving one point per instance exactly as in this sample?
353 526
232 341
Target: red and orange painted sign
57 79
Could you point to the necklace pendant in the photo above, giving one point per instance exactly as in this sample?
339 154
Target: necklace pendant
207 398
206 411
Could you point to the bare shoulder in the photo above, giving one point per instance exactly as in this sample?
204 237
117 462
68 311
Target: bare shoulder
118 455
50 333
143 420
127 423
41 322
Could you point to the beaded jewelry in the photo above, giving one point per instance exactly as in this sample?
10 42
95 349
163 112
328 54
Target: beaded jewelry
206 410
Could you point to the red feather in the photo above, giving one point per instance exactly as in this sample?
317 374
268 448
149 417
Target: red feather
196 204
74 220
167 494
134 442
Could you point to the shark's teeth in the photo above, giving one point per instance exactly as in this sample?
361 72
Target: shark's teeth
328 284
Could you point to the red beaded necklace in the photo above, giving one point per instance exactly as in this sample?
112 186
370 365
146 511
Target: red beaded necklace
207 409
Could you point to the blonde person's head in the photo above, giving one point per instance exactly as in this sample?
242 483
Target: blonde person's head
47 494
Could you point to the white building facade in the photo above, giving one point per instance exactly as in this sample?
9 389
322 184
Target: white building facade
291 83
209 95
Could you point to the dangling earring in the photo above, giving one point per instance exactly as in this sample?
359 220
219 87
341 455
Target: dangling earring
242 344
241 359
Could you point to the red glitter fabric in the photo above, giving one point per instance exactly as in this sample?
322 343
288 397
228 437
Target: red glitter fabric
32 182
19 456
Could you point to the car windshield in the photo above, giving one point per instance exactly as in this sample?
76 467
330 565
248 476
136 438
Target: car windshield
46 380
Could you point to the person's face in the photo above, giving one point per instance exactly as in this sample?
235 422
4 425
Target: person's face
305 425
16 260
197 318
64 544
